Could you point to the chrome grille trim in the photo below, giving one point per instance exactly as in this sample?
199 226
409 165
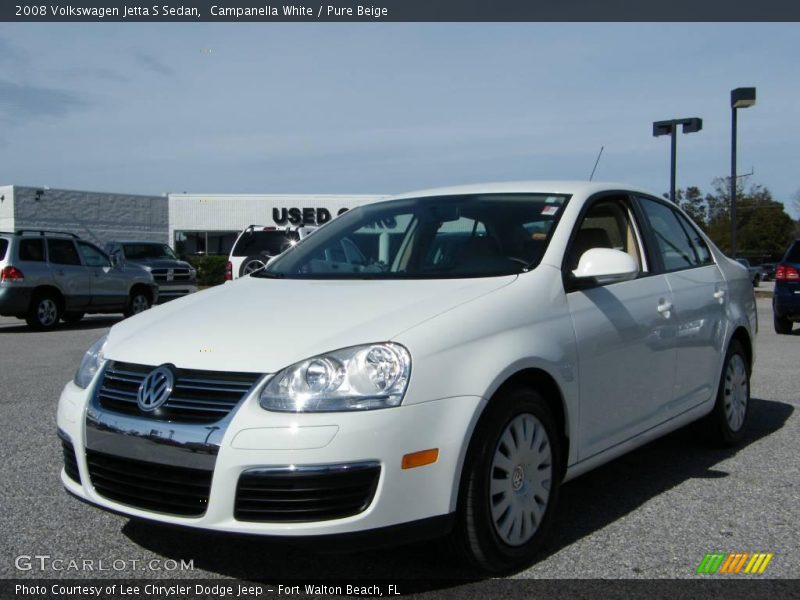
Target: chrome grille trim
198 397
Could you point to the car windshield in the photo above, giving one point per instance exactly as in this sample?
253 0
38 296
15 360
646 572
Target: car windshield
3 247
148 251
264 242
481 235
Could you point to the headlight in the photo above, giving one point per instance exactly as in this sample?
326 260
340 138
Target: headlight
357 378
91 363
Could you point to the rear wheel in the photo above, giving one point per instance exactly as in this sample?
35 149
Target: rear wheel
72 317
726 423
139 301
44 311
782 326
510 484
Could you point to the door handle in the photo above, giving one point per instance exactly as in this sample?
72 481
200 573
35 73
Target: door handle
665 308
60 272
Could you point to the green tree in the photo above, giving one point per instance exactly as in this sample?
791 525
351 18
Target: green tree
764 229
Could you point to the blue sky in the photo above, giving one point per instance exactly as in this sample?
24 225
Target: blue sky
385 108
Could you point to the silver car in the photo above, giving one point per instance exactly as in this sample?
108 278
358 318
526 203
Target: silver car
50 276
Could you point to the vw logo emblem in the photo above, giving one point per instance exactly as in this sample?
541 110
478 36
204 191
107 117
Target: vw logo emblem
155 389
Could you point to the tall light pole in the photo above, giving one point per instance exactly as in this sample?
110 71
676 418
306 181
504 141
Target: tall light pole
740 98
671 128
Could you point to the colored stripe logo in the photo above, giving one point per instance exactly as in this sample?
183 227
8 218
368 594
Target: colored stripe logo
734 563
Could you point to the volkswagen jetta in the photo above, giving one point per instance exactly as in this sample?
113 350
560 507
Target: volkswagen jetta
438 363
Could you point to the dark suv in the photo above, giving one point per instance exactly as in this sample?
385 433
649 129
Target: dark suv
786 298
46 276
175 278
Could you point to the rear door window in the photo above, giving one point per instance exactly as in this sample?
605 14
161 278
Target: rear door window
31 249
674 245
3 248
62 252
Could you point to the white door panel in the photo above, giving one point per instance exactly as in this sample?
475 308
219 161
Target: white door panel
626 359
700 296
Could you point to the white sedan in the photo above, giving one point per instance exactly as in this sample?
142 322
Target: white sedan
489 343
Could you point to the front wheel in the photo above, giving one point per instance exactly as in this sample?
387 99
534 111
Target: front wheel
510 485
726 423
138 302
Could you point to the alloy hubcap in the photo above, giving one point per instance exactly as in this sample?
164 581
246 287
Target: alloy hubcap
735 391
139 304
253 266
520 477
47 312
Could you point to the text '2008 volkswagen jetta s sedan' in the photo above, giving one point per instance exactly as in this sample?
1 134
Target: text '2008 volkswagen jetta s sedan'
440 363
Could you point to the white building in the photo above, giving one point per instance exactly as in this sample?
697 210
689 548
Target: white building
98 217
209 223
190 223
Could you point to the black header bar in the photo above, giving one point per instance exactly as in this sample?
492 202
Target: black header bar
398 10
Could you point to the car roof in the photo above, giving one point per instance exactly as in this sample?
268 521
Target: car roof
584 188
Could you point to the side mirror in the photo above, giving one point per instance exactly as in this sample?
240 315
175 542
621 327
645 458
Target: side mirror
605 265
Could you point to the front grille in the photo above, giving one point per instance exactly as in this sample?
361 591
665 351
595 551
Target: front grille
70 461
305 493
197 397
150 486
177 274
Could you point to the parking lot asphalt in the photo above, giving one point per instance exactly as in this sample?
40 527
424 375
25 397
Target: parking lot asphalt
654 513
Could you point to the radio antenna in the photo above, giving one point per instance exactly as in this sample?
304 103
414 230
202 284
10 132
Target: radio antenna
599 154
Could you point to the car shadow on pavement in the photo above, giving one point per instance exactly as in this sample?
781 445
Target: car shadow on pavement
587 504
99 322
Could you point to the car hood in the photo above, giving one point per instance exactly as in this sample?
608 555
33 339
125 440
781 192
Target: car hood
263 325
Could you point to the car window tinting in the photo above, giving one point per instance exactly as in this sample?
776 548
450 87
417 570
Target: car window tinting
270 243
92 257
3 247
607 224
466 236
31 250
793 255
673 243
62 252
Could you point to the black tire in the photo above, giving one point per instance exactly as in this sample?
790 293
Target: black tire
44 311
72 317
475 535
716 425
782 326
138 301
250 263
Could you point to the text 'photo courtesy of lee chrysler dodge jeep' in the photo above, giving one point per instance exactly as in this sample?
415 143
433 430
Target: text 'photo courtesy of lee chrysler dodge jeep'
174 277
484 345
50 276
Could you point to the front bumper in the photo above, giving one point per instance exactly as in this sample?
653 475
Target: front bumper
170 291
255 438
